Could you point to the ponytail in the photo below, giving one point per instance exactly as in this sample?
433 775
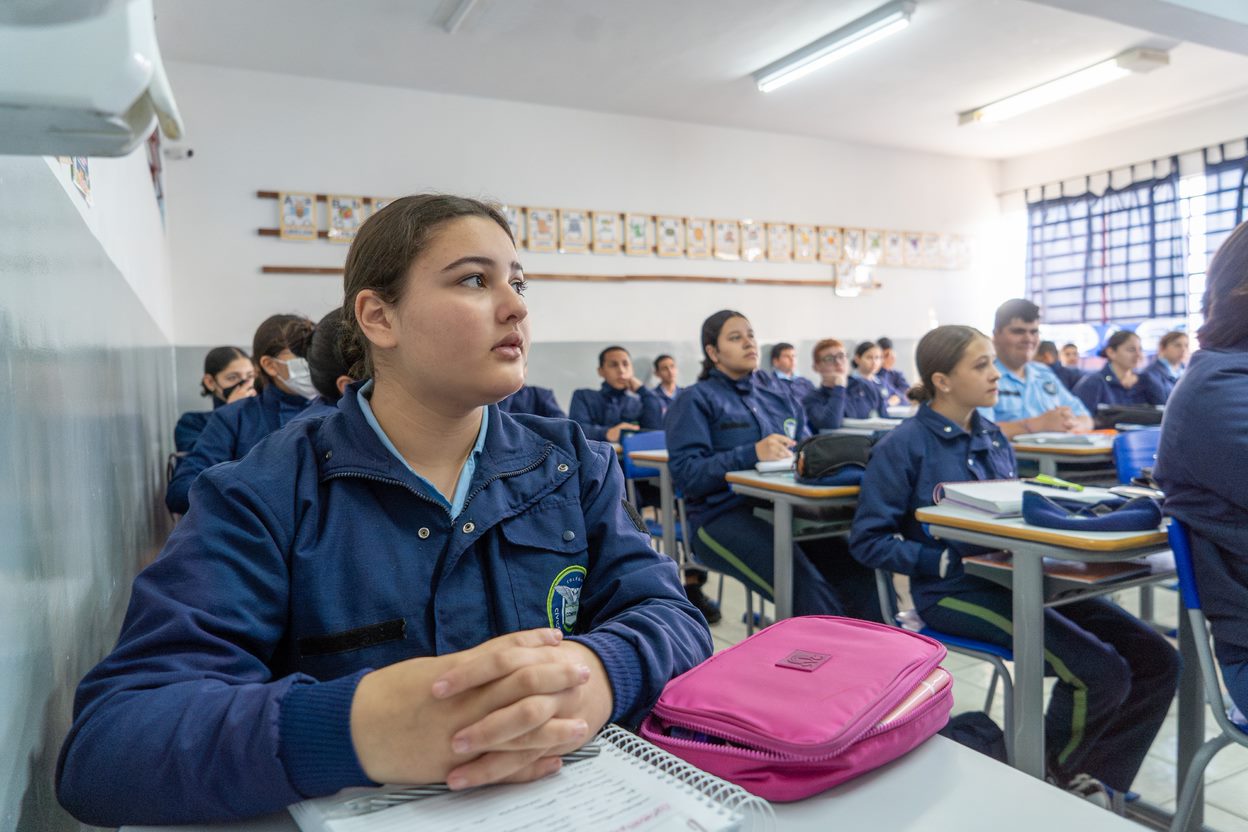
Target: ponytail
919 393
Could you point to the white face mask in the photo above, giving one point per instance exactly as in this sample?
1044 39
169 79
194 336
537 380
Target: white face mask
300 380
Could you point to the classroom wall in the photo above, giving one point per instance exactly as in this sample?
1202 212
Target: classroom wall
86 416
258 131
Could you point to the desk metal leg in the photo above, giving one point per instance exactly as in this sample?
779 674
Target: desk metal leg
782 569
1048 466
1029 663
667 516
1191 714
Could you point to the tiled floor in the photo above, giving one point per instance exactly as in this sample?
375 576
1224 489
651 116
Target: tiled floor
1226 793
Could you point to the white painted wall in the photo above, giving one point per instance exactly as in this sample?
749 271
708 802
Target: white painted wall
255 131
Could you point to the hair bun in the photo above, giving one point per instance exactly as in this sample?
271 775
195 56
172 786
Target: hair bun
919 393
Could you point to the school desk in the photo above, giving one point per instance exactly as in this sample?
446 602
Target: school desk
1050 455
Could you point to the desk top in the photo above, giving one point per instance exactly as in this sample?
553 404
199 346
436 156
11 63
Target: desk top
657 455
783 482
939 787
1055 449
1014 527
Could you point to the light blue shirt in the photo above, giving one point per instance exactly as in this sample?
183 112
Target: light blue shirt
1175 372
456 504
1038 393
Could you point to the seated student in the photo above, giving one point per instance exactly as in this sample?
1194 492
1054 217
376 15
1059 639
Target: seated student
1167 368
228 377
622 403
784 366
892 378
1116 675
1048 355
1203 456
1031 399
418 588
825 407
328 367
536 401
1118 382
866 394
666 389
1070 356
285 384
732 418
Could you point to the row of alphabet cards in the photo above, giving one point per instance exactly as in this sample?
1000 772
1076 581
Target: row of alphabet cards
606 232
298 215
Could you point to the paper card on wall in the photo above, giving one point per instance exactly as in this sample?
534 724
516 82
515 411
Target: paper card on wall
753 240
670 236
805 243
779 241
963 252
872 246
514 214
346 215
697 238
638 234
931 251
379 202
80 175
298 216
948 251
574 231
727 240
854 251
606 232
912 248
894 252
543 229
831 249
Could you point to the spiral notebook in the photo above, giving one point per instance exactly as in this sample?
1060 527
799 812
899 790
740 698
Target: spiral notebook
619 781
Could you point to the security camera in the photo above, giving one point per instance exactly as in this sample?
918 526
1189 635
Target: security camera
178 153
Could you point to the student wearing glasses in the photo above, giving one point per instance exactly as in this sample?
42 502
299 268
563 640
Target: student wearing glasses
826 407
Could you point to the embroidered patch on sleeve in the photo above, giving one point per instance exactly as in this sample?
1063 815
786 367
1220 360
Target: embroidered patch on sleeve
634 516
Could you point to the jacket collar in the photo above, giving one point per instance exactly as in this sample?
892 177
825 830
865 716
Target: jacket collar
948 430
743 385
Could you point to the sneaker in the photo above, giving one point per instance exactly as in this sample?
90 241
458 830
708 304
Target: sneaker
708 608
1090 789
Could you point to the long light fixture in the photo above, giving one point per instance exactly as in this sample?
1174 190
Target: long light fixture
1120 66
866 30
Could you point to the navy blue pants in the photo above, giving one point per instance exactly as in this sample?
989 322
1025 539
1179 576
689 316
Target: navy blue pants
1235 676
826 580
1115 676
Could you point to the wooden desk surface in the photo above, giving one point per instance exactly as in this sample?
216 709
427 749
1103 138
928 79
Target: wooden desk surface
1065 450
784 483
1015 527
657 455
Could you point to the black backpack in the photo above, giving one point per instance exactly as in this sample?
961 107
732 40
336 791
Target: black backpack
832 459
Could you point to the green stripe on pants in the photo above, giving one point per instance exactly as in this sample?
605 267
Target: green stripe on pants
735 561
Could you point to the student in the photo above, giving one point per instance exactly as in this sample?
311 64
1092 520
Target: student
1116 675
666 389
892 378
1203 456
536 401
1167 368
784 366
418 588
622 403
1048 355
228 377
825 408
866 393
328 367
732 418
1070 356
1031 399
1118 382
279 347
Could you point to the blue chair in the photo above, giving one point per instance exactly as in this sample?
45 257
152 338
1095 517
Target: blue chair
1180 544
1135 450
652 440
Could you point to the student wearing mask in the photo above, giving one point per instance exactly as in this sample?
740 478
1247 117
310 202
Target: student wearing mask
731 419
865 394
784 367
622 403
1203 456
1048 355
1031 399
1116 675
418 588
1171 361
666 389
826 407
1118 382
893 379
285 383
536 401
228 377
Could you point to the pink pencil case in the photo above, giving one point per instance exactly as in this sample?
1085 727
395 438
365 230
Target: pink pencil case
805 704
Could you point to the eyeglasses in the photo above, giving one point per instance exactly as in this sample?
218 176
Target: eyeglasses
833 358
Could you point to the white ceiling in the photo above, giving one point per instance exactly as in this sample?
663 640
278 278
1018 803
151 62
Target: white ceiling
691 60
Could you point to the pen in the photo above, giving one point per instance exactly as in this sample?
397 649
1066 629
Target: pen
1054 482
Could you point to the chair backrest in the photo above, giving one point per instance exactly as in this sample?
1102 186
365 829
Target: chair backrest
1181 546
651 440
1135 450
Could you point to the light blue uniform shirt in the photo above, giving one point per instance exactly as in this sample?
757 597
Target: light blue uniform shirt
456 505
1039 393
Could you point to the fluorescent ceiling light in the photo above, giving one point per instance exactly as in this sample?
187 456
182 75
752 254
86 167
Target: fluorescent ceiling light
1133 60
866 30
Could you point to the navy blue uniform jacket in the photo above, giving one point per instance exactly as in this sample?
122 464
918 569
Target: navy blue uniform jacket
1068 376
231 432
712 428
597 411
1159 374
538 401
895 381
318 557
1201 466
905 467
190 425
1103 387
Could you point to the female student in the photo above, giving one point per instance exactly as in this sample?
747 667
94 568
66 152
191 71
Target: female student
1118 382
1116 675
285 383
731 419
417 588
866 395
1203 456
327 366
1171 361
228 377
826 406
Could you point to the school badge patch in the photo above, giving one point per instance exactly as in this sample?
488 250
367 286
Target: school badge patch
1050 388
790 428
563 601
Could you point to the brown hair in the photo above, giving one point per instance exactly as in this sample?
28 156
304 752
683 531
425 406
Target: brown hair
217 360
1116 341
276 334
383 251
711 328
826 343
939 351
1169 338
1226 293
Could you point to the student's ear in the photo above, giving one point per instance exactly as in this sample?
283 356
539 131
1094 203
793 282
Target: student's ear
602 372
712 354
271 366
941 380
376 319
342 382
209 382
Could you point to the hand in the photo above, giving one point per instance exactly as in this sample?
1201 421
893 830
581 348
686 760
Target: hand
773 447
1059 419
243 391
613 434
831 378
406 718
634 384
894 399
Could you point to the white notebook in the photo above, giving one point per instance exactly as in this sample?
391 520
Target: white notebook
629 784
875 423
771 466
1004 498
1091 440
